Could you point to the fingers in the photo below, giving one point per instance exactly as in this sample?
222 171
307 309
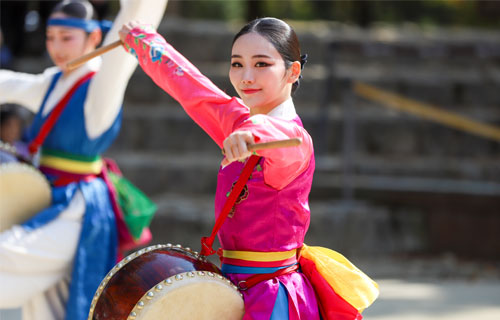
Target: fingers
225 162
124 31
235 146
126 28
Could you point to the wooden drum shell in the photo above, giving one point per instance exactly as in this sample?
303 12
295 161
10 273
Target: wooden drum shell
130 282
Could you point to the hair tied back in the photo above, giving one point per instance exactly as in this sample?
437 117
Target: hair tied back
303 60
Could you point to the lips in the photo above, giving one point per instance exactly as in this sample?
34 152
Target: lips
250 91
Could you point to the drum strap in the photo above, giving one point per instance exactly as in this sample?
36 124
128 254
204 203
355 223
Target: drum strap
207 242
54 115
256 278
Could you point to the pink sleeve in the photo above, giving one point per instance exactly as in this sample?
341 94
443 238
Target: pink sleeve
282 165
212 109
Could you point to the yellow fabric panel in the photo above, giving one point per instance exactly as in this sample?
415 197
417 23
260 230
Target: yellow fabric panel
73 166
259 256
346 279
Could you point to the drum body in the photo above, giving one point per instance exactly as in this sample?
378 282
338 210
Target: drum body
166 282
24 191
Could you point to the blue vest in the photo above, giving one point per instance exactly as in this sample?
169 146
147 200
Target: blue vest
97 247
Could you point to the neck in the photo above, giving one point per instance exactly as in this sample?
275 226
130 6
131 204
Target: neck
265 109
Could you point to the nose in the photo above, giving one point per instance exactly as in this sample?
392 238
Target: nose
248 77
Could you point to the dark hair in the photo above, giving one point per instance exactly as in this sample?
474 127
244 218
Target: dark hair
282 37
81 9
9 111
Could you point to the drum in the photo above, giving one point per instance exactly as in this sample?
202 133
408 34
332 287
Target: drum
166 282
24 191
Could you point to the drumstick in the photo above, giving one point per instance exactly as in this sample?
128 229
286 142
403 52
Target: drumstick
293 142
275 144
79 61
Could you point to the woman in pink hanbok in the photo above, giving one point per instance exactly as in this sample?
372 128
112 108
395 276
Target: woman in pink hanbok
267 225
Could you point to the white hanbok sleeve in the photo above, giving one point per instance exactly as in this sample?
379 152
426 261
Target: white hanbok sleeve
33 261
107 88
27 90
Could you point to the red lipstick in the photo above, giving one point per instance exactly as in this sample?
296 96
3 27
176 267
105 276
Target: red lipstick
250 91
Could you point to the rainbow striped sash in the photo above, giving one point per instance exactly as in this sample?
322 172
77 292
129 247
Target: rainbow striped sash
69 166
259 259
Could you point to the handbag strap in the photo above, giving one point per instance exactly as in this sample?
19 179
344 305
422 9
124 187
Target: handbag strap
55 114
207 242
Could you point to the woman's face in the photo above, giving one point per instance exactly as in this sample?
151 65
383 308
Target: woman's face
66 43
258 73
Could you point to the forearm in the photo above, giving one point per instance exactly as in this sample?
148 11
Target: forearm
24 89
212 109
107 89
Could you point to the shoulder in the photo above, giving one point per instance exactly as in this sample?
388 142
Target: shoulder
50 72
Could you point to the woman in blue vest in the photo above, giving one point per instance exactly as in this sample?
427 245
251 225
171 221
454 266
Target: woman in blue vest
52 264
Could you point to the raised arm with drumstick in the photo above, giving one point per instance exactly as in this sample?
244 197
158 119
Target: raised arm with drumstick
53 263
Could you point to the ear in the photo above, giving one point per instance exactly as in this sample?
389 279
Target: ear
295 71
95 38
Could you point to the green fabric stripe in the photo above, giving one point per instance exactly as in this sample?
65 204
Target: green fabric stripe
64 155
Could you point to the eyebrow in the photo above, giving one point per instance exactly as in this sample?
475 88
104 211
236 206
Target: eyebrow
255 56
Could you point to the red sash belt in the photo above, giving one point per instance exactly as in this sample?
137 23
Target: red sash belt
257 278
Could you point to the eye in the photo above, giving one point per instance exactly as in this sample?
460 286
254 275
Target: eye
262 64
50 38
236 65
67 38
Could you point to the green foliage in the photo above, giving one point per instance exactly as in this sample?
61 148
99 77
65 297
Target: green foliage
425 12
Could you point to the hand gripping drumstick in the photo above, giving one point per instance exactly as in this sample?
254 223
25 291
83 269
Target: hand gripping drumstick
273 144
79 61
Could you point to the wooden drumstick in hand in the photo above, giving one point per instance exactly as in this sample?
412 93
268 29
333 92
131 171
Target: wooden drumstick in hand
293 142
79 61
275 144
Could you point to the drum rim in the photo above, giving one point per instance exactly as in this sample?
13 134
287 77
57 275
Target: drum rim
163 287
10 167
133 256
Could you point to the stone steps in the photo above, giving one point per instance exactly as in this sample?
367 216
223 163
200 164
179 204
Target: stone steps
472 88
378 132
407 185
185 219
196 172
386 231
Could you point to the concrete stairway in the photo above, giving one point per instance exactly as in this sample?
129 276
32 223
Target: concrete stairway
399 186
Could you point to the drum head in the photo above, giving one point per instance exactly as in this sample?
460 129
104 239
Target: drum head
23 192
191 296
